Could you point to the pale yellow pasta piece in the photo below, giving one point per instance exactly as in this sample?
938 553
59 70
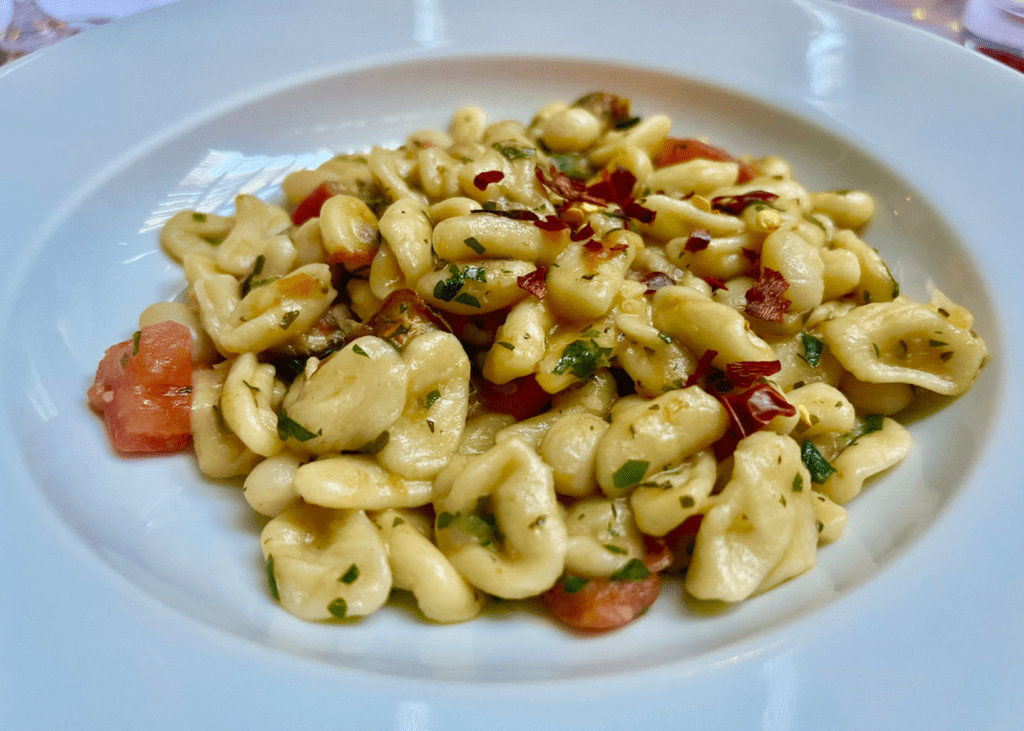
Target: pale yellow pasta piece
848 208
801 266
831 518
520 490
407 228
326 563
870 454
219 452
428 432
349 231
481 235
582 284
650 436
386 275
438 173
572 129
754 521
840 273
520 342
702 324
573 352
664 500
570 447
822 408
675 218
602 537
246 403
256 223
797 371
702 177
876 398
477 288
906 342
358 481
352 398
723 259
647 135
468 124
269 488
393 170
417 565
192 232
877 283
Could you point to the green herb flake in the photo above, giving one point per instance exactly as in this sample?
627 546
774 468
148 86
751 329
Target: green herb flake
475 245
821 526
572 584
630 473
798 483
359 351
252 388
444 520
136 341
685 501
582 358
937 344
782 499
398 522
351 575
511 152
289 317
615 549
124 360
432 397
871 423
812 348
377 445
665 338
634 570
338 608
199 217
815 463
506 346
271 579
288 427
467 299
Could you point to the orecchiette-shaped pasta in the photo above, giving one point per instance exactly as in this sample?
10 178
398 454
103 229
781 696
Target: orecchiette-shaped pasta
219 452
906 342
520 342
246 403
417 565
269 488
822 408
427 433
326 563
749 530
848 208
530 555
192 232
652 435
256 223
357 481
870 454
800 265
831 518
876 398
570 447
602 537
702 324
350 399
572 129
349 230
663 501
584 280
407 228
876 281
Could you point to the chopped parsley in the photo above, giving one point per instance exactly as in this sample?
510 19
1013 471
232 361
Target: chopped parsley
572 584
432 397
871 423
582 358
271 579
351 575
338 608
359 351
136 340
289 317
446 289
199 217
616 549
467 299
475 245
634 570
510 152
815 463
812 348
288 427
630 473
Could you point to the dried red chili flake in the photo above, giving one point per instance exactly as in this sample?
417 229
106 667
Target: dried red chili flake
584 233
594 246
752 256
534 282
715 283
551 223
562 185
744 374
484 179
617 187
751 410
765 298
734 204
702 368
656 280
698 241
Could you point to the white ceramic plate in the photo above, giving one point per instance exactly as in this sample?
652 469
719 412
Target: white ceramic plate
133 589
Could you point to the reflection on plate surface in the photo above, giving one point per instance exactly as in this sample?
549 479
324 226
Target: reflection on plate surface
190 545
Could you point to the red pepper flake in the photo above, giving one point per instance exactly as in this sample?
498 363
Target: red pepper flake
750 411
534 282
765 298
614 188
656 280
484 179
752 256
584 233
594 246
745 373
551 223
698 241
562 185
715 283
734 204
702 368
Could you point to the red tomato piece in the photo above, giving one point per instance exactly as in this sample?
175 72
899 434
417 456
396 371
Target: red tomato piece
143 388
520 397
675 150
309 207
601 604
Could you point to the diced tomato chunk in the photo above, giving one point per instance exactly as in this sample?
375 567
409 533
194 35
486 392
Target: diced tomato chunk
675 150
601 604
520 397
309 207
143 388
